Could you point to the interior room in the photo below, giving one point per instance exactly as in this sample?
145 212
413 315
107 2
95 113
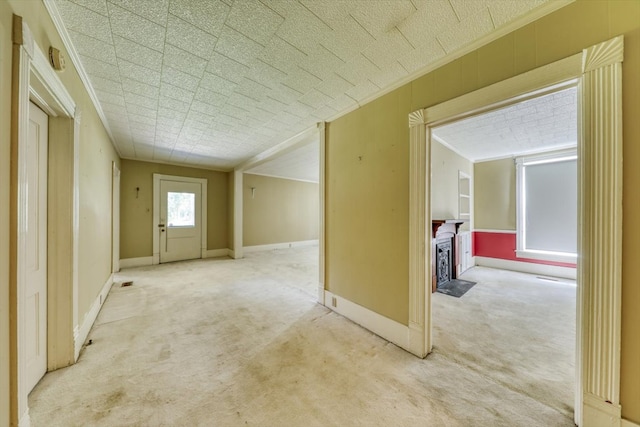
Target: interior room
223 211
508 195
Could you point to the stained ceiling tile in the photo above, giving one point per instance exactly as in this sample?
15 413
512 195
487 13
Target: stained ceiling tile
381 16
130 26
207 15
385 51
153 10
431 18
254 20
182 34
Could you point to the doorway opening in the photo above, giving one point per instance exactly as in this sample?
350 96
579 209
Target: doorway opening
598 73
515 328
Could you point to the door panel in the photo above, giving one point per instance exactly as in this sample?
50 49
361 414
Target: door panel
36 247
180 225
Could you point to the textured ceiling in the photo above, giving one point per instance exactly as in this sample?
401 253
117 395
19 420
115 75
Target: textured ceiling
213 83
302 164
539 124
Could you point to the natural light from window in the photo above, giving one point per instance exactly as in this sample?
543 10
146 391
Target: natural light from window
181 208
547 207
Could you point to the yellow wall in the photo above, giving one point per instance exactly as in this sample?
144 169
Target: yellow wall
495 195
445 165
281 210
5 149
368 162
136 219
96 157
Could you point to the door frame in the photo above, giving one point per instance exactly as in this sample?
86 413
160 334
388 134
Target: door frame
597 72
34 80
156 212
115 218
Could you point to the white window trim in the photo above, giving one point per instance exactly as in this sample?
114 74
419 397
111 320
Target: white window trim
521 250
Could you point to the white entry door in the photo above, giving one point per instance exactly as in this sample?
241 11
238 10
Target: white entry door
35 256
180 224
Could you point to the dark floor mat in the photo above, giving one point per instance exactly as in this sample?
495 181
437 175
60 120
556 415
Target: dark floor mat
455 288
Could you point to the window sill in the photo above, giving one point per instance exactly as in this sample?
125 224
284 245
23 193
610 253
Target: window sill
547 256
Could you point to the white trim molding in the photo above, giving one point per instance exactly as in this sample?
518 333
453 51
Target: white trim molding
238 226
419 236
488 230
216 253
526 267
600 211
136 262
322 136
380 325
283 245
597 72
81 333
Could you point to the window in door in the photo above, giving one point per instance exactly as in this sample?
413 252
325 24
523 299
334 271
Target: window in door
181 209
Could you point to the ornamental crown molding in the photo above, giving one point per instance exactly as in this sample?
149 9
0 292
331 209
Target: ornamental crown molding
417 118
603 54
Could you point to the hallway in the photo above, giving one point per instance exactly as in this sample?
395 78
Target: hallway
243 342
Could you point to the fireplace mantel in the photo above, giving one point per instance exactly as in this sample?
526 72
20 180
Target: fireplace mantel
447 225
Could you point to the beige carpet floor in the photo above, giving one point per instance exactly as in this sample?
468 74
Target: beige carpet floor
243 343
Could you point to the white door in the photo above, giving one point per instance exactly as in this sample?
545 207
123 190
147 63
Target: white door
180 225
36 247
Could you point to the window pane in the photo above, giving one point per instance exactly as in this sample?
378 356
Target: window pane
551 207
181 209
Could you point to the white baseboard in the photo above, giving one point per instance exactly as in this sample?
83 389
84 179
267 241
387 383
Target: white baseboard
136 262
526 267
81 333
284 245
384 327
598 413
627 423
216 253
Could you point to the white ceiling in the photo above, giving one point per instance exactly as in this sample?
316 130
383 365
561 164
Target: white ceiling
213 83
302 163
540 124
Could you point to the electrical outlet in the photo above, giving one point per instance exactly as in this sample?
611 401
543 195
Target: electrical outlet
334 301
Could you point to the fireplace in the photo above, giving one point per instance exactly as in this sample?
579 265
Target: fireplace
444 261
445 250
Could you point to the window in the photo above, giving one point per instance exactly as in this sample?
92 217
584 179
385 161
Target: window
181 209
547 205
